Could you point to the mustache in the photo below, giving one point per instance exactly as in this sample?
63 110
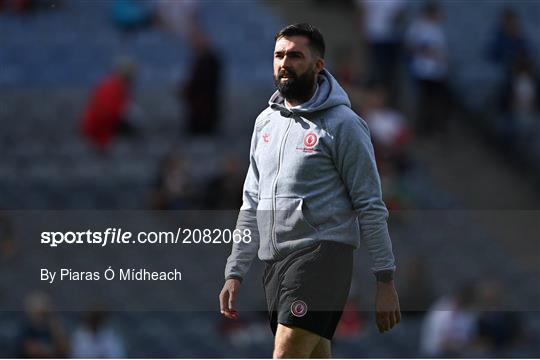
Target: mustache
286 72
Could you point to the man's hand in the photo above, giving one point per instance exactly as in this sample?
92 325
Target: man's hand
227 298
387 311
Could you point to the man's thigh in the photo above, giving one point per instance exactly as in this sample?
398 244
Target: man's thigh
323 350
294 342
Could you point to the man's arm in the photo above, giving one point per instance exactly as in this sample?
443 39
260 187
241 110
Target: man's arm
355 161
242 253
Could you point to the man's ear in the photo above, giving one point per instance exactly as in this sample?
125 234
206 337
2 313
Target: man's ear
319 64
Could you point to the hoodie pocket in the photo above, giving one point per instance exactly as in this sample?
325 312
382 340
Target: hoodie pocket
264 220
288 219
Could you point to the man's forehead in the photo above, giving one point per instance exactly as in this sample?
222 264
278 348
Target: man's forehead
292 43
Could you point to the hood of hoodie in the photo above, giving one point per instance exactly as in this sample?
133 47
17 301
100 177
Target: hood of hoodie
329 94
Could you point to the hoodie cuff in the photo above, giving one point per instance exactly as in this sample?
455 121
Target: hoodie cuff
384 276
235 277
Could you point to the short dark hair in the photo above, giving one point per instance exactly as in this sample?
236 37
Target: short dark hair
316 40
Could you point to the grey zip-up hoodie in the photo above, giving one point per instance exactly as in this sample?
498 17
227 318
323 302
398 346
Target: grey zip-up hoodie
312 177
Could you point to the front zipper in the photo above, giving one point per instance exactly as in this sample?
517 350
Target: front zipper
274 188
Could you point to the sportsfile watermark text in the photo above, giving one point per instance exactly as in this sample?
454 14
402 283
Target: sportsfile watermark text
117 236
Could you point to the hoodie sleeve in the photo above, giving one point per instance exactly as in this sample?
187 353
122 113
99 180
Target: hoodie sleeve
355 160
243 253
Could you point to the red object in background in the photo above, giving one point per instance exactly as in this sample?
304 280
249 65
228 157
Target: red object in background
351 323
105 110
392 204
17 5
403 138
21 5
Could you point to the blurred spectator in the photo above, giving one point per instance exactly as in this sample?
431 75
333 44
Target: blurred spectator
497 329
224 192
95 339
202 91
42 335
520 101
178 17
347 68
17 5
348 72
382 25
396 194
450 325
428 63
173 186
24 6
132 14
390 132
508 43
7 241
352 322
106 113
250 330
415 300
7 248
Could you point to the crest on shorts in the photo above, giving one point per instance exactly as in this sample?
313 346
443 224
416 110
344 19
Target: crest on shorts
298 308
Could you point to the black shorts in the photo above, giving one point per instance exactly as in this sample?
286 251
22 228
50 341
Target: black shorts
308 288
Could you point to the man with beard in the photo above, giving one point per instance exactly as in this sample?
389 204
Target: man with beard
311 193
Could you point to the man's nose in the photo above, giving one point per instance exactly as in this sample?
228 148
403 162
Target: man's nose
285 61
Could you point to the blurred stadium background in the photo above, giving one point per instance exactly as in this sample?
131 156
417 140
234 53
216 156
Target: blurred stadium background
125 104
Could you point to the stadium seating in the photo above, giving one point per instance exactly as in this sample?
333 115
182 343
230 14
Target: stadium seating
51 58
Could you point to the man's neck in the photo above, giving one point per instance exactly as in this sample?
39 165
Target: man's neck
296 102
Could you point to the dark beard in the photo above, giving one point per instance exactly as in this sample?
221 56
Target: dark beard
299 88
